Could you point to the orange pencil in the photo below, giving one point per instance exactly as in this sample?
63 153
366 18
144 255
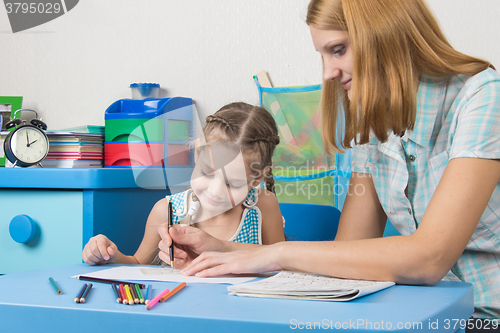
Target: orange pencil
170 294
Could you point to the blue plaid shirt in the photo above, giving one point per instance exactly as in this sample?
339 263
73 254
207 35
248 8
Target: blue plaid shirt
458 116
250 227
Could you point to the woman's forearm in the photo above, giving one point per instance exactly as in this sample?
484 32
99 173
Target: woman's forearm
382 259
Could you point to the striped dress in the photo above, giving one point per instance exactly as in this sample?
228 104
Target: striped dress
250 227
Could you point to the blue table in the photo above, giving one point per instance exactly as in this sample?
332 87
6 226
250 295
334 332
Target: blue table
29 304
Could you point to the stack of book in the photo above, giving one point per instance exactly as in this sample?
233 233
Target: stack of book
80 147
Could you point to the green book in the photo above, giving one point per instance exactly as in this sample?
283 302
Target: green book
91 129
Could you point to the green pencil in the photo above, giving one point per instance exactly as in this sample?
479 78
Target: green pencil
55 286
139 294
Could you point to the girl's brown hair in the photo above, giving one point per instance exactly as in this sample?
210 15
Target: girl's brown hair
252 128
393 43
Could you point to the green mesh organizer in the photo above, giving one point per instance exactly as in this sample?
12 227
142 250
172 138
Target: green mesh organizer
303 172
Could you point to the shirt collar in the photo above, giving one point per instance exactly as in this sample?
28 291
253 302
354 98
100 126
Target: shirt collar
430 95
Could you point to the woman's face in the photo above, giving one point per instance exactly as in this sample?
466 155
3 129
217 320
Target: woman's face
336 51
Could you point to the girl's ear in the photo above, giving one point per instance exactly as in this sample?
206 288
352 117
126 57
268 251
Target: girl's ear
258 180
197 144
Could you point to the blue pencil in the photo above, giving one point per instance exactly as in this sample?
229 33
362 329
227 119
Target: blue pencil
80 294
86 293
148 292
117 294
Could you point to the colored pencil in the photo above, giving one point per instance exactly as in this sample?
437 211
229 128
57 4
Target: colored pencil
156 299
80 293
175 290
148 294
116 292
139 294
124 295
134 293
170 224
55 286
86 293
99 280
129 295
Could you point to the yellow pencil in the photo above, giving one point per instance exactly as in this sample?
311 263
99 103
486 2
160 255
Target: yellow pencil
129 295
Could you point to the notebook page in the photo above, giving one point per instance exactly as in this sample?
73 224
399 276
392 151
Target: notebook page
288 284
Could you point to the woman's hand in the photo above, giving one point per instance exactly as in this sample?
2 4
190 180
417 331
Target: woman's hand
189 243
258 260
99 250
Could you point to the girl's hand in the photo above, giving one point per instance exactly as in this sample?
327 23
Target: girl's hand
189 242
99 250
262 259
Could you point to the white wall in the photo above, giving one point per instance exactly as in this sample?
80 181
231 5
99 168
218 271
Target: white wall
72 68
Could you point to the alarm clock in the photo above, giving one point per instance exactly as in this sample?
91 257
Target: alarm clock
27 144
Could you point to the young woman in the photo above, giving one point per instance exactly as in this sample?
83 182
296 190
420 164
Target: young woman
423 120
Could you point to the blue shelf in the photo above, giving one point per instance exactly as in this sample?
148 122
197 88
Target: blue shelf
99 178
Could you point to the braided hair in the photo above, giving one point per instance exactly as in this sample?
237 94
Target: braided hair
252 128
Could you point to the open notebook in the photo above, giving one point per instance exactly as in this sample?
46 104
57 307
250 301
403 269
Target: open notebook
296 285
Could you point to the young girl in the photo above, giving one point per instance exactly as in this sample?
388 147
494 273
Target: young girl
223 199
424 119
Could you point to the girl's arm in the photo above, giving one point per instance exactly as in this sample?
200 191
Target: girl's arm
101 250
422 258
272 222
149 246
361 223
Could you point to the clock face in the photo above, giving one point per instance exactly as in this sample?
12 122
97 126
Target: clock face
29 145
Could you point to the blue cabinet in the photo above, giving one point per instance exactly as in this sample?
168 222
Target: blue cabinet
68 206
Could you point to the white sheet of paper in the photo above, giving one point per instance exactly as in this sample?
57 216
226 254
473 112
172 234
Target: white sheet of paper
152 273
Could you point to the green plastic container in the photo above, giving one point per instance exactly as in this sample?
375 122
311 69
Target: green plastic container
134 129
178 130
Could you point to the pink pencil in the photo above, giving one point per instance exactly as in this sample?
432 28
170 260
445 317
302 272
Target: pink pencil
157 298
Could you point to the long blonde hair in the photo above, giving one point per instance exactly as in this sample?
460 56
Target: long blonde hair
393 43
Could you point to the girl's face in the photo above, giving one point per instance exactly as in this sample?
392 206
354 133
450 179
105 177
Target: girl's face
336 51
220 178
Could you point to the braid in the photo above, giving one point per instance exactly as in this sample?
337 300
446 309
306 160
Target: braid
271 139
269 180
212 119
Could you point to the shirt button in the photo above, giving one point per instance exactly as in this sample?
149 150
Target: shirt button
409 211
412 158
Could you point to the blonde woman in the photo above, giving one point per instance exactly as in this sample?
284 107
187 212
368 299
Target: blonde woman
424 123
